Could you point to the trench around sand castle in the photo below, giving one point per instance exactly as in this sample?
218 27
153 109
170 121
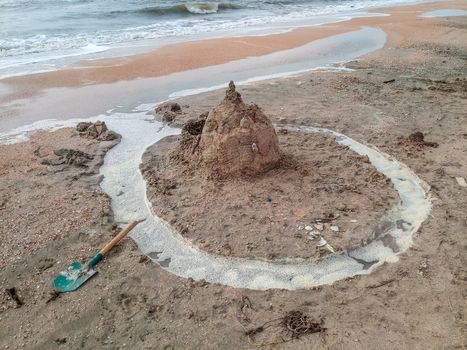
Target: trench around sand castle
159 241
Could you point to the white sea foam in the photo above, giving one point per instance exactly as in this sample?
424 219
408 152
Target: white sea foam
202 7
25 51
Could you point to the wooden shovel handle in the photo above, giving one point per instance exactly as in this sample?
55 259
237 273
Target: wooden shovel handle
118 237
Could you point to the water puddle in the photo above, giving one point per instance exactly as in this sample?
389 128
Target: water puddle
445 13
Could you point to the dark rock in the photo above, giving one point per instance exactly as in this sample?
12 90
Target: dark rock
13 294
60 340
418 139
168 107
194 126
96 131
69 157
83 126
168 116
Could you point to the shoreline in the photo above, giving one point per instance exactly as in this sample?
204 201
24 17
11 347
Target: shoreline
403 23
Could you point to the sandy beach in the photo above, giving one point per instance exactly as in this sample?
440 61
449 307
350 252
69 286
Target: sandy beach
53 209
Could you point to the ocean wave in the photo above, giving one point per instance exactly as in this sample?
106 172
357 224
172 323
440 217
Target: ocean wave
196 8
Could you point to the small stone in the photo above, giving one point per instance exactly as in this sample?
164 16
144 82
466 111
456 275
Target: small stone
308 228
334 228
319 227
168 116
168 106
83 126
461 181
100 127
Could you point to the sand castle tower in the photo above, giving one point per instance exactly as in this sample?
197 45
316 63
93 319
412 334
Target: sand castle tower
238 139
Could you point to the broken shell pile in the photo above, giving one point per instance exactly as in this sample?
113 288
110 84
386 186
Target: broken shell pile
316 232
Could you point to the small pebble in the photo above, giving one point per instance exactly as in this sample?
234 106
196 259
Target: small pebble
319 227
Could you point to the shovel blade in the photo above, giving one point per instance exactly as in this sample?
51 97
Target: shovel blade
73 277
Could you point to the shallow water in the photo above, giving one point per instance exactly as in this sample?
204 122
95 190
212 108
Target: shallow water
445 13
91 100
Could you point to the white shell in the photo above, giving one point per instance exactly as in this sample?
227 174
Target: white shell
334 228
461 181
308 228
322 242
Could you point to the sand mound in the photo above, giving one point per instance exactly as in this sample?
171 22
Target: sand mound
234 140
319 184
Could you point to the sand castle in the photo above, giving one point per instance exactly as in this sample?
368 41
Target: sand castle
232 140
238 139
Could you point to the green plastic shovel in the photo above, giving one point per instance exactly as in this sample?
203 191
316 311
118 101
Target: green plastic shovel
76 274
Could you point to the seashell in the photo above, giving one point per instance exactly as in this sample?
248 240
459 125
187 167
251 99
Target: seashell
334 228
308 228
322 242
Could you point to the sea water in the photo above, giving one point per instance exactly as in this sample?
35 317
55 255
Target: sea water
42 35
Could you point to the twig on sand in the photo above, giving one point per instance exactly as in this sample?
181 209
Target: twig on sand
54 294
12 293
293 325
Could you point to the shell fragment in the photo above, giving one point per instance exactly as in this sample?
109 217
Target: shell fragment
323 243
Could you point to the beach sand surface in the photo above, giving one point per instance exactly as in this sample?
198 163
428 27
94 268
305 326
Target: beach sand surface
417 82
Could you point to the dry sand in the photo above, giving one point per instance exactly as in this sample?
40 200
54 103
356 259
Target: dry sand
416 303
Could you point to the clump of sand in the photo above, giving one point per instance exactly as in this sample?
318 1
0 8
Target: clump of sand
234 140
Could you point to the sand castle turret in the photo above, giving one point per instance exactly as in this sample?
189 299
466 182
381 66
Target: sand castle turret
238 139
